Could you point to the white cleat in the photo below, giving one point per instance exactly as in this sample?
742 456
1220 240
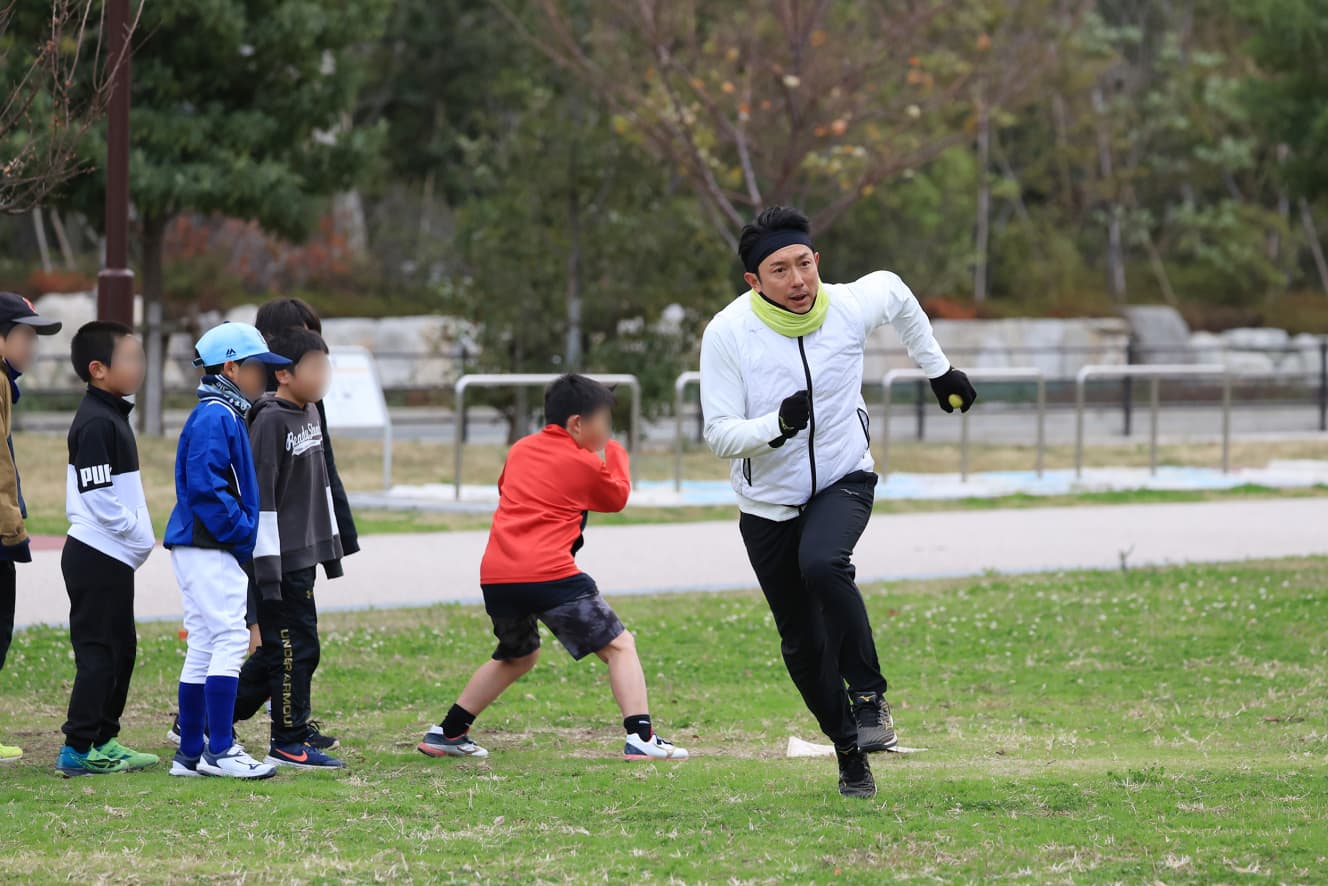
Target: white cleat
654 749
234 763
185 767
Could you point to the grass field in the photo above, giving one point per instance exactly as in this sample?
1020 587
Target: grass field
42 458
1151 726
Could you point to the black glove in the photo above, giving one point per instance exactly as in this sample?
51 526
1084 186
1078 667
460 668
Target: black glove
953 384
794 414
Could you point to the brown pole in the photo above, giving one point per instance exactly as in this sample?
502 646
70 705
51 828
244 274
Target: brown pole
115 281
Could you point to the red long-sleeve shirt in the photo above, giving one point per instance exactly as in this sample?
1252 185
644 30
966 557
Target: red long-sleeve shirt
547 485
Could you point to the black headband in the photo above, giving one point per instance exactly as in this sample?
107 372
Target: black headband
773 241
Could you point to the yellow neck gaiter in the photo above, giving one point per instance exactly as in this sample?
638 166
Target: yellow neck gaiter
787 323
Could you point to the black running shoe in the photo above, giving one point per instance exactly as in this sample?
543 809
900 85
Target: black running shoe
316 738
876 728
855 775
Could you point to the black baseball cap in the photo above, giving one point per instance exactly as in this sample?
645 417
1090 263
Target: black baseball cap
14 308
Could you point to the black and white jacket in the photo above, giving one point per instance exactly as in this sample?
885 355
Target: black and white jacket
104 492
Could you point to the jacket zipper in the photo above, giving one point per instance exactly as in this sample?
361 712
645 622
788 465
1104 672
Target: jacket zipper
811 413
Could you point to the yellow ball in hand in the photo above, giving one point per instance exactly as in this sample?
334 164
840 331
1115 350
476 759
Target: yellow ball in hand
956 401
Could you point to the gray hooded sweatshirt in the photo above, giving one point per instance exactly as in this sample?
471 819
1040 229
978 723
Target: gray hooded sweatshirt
297 528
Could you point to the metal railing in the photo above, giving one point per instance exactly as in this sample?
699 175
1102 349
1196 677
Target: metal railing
679 387
531 380
1021 373
1154 373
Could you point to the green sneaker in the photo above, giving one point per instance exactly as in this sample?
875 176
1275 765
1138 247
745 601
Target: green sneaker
71 763
10 754
131 758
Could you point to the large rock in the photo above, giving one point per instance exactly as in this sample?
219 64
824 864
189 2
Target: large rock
1257 338
1260 351
1160 333
411 352
1308 348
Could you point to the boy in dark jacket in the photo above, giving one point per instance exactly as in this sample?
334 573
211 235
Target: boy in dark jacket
110 536
19 328
211 534
273 317
297 531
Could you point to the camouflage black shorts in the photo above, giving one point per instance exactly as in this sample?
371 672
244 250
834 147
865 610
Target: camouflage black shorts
583 626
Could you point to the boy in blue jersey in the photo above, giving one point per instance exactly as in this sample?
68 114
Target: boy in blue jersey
211 535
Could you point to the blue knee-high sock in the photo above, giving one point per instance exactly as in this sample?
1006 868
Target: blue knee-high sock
192 707
220 692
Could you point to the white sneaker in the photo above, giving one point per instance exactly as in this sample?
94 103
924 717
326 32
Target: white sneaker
234 763
185 767
655 749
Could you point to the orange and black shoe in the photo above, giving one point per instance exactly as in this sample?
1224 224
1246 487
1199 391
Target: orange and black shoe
301 756
436 744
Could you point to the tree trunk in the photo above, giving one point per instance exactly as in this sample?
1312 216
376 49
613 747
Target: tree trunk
39 230
1115 247
62 239
1274 242
348 221
573 356
516 428
154 337
1316 248
983 232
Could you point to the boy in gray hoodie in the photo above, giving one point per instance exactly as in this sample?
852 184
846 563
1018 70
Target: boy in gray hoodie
297 530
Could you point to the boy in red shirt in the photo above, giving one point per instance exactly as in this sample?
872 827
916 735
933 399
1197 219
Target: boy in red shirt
551 481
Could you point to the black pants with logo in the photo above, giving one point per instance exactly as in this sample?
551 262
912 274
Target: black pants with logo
101 630
283 667
805 568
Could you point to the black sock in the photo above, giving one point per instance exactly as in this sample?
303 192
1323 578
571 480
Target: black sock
640 724
457 722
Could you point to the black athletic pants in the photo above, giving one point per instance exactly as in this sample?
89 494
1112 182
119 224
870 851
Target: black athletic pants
805 569
283 667
8 600
101 630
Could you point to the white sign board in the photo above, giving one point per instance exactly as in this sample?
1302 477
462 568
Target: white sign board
354 400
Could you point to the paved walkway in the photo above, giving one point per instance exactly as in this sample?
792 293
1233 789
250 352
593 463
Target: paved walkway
419 569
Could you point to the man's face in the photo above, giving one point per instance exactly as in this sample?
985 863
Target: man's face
789 277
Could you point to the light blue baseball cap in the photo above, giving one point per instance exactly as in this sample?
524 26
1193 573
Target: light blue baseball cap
235 341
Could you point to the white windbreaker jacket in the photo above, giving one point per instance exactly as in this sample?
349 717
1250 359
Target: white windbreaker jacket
747 369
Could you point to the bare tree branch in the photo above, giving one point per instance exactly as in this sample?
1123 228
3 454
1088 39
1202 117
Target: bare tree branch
49 103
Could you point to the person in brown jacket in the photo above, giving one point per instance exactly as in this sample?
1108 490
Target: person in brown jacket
19 328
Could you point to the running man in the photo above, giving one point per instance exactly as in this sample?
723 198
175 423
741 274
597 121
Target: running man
781 390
